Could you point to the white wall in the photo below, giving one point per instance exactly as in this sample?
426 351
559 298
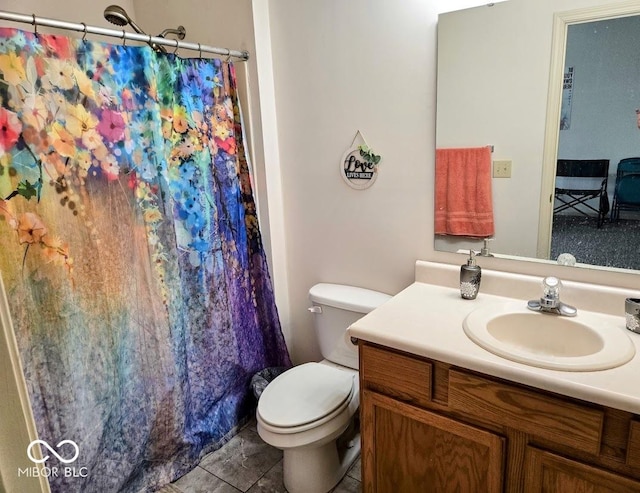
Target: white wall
340 67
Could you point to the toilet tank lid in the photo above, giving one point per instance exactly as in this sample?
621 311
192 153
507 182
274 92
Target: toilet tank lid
359 300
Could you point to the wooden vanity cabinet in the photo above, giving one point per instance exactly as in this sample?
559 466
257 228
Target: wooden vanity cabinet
414 447
431 427
551 473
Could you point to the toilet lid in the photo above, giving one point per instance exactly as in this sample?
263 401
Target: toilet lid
304 394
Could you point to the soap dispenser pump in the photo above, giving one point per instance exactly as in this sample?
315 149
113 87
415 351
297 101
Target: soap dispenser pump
484 251
470 275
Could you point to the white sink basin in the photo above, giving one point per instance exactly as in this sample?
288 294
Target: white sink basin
586 342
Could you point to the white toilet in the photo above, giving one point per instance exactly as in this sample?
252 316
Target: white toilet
309 410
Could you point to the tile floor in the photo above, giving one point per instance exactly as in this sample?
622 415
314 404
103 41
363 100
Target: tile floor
247 464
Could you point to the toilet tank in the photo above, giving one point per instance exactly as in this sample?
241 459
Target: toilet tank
335 308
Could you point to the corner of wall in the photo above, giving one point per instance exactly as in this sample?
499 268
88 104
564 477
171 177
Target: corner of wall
271 169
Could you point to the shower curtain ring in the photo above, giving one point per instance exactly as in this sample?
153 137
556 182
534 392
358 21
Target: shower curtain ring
124 40
84 36
175 52
228 55
200 49
35 24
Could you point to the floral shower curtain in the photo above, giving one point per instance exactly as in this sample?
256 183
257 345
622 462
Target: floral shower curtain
131 256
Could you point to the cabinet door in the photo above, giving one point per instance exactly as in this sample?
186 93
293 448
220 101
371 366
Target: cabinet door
550 473
408 449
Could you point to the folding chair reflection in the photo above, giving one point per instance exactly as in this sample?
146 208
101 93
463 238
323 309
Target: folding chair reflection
580 180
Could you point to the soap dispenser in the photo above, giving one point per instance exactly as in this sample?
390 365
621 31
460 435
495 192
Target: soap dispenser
470 275
484 251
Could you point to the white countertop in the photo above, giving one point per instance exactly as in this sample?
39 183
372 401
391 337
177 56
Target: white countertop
426 318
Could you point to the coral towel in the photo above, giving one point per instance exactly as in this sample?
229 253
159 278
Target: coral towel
464 204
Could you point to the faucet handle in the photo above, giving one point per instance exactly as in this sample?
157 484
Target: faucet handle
551 287
550 300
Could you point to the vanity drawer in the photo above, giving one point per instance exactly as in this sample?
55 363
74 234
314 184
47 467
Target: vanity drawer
403 377
633 448
550 418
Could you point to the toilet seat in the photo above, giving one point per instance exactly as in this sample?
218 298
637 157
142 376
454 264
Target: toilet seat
305 396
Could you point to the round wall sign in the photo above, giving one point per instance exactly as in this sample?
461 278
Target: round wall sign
359 167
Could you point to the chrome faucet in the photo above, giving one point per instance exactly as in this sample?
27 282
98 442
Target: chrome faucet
550 300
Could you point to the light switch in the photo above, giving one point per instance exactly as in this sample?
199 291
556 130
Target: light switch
502 169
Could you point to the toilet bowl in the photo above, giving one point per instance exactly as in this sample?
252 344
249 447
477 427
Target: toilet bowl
310 410
303 412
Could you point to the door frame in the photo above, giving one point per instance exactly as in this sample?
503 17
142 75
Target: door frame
561 22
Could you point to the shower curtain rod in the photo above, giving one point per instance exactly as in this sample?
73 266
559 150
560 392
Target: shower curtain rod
123 35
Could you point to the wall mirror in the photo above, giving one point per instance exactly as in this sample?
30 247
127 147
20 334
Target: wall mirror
501 72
